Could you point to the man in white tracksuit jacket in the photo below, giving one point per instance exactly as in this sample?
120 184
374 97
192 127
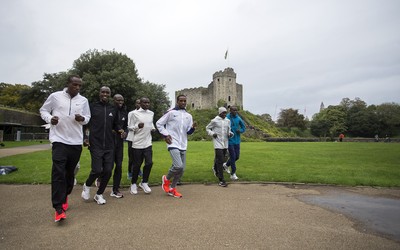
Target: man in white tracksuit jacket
66 111
175 125
220 130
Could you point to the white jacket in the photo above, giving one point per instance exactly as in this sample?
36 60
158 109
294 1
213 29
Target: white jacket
221 127
142 136
178 124
67 131
130 135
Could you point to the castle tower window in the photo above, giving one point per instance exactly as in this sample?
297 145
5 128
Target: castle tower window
229 98
192 104
218 79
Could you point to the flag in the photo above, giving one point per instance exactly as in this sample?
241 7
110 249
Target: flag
226 54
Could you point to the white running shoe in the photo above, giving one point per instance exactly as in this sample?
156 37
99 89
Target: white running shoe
234 177
116 194
133 189
75 181
99 199
226 168
145 187
86 192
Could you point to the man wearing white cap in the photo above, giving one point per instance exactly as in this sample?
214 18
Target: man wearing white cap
220 130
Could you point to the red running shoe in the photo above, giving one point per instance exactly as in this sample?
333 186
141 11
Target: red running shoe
65 205
174 193
59 216
165 184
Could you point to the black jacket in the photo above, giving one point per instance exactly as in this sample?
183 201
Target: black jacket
102 123
122 118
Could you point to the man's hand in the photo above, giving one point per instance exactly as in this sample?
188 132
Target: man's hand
194 125
168 139
86 143
141 125
122 132
79 118
54 120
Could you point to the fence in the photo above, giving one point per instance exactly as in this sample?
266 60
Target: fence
45 136
347 139
30 136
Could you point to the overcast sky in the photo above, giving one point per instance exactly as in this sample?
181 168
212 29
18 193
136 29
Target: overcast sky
286 53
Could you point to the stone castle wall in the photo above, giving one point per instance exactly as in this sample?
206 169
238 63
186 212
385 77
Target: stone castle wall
223 87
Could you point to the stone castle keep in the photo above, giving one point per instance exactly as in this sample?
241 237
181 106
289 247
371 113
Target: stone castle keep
223 87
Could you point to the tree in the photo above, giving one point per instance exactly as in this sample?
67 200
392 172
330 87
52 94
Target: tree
320 125
159 101
34 97
360 119
108 68
329 122
290 118
97 69
388 116
118 72
10 94
362 122
267 118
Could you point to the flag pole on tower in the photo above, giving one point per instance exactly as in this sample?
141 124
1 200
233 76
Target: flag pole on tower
226 56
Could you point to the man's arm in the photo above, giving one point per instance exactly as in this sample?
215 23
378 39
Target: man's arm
46 110
242 126
160 124
209 129
192 125
86 113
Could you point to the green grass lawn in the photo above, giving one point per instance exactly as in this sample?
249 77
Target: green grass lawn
351 164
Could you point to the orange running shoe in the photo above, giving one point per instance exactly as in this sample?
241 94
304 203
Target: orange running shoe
173 192
59 216
165 184
65 205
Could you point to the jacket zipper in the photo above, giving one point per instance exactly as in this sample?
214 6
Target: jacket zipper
105 126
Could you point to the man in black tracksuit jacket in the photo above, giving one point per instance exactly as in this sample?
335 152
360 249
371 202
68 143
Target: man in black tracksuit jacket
122 117
101 144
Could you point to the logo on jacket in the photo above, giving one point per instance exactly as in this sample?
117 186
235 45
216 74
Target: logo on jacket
110 114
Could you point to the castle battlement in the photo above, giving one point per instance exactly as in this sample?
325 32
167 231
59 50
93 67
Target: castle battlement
228 72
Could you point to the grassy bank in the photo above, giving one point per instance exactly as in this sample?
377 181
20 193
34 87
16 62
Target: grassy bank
370 164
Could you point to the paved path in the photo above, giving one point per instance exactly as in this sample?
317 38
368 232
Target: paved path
241 216
23 150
